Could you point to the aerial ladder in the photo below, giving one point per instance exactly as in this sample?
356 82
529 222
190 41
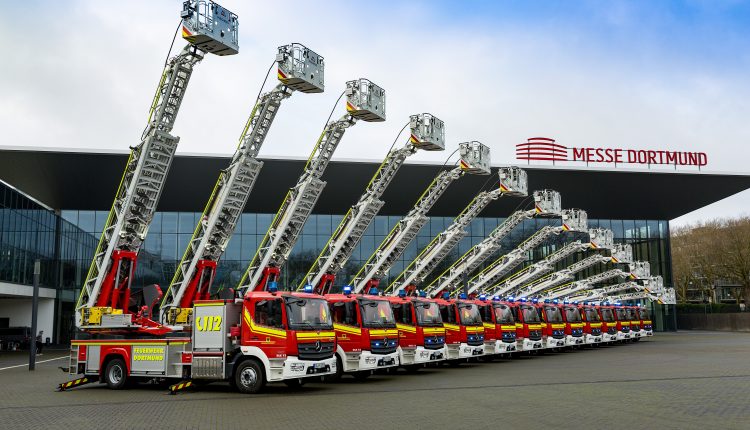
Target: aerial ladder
560 277
427 132
513 182
475 159
573 220
298 69
653 285
668 297
632 271
365 101
599 238
546 204
105 295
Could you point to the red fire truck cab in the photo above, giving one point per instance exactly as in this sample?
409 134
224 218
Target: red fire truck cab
647 326
592 324
421 335
366 334
529 325
553 324
499 326
464 331
622 318
609 323
573 324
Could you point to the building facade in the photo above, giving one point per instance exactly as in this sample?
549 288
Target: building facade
57 218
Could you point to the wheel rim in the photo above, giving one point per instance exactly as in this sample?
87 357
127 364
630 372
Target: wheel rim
115 374
248 377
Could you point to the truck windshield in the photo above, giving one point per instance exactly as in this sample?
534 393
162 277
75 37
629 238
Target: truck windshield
377 313
469 313
448 314
591 315
503 314
572 314
308 314
607 315
529 314
486 312
428 314
644 314
622 314
553 314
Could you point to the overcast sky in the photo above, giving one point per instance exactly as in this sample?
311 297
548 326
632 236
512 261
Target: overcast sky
631 74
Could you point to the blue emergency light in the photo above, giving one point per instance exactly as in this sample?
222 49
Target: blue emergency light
347 289
308 288
273 287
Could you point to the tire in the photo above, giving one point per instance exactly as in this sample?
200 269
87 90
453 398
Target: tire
412 368
249 377
294 383
334 377
116 374
362 375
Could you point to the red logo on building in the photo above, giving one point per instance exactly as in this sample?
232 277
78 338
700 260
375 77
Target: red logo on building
545 149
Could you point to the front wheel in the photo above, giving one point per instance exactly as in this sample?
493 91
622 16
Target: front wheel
249 377
116 374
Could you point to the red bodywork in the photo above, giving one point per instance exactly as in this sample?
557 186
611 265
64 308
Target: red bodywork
353 335
411 333
115 289
263 328
455 331
609 327
199 286
532 330
591 326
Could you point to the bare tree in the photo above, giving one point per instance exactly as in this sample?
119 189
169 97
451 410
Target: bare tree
705 253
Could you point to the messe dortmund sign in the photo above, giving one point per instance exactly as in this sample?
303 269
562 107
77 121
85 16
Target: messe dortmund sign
545 149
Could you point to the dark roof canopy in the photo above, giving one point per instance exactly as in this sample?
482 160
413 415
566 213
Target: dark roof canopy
87 181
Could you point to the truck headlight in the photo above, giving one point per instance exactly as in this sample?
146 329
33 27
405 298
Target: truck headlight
370 360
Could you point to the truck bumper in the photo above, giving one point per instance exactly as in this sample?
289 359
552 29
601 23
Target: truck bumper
622 336
369 361
530 345
647 333
573 341
467 351
551 342
606 337
296 368
593 339
499 347
421 355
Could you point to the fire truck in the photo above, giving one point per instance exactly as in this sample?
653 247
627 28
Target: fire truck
574 331
464 330
422 337
553 324
529 325
592 324
366 333
500 332
609 323
647 326
622 322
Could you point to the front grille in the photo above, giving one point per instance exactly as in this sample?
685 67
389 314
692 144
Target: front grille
596 331
535 335
611 330
475 340
315 350
636 327
434 342
383 346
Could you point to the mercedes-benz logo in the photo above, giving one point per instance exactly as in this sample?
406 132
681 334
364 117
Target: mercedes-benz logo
318 345
385 341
